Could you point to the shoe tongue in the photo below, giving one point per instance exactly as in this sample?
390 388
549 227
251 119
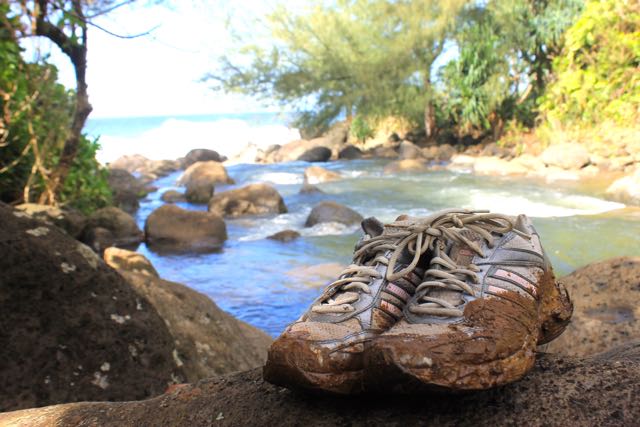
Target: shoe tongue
372 226
462 255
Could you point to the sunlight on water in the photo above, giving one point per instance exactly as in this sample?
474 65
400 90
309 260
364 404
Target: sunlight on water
269 284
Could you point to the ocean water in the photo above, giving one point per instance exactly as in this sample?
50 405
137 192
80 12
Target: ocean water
171 137
269 284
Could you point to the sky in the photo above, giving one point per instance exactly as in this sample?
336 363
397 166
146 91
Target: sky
160 74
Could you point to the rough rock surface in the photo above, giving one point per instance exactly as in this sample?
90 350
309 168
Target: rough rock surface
201 155
316 175
69 220
496 166
137 163
316 154
560 391
329 211
606 309
626 189
71 328
209 342
126 190
201 173
173 196
123 228
350 152
199 193
408 150
253 199
566 156
284 235
173 229
407 165
134 262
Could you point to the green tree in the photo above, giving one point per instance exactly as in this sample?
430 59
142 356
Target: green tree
504 62
598 74
370 56
41 121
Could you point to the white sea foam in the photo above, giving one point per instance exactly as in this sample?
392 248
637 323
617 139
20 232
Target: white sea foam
175 137
282 178
566 205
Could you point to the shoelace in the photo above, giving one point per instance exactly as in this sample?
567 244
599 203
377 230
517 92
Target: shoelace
415 235
444 273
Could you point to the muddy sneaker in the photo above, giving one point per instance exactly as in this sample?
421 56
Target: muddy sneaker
488 298
323 350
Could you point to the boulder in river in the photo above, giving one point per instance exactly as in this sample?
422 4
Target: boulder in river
173 196
201 173
316 154
606 311
316 175
408 165
408 150
350 152
209 342
126 189
69 220
253 199
173 229
484 165
199 193
626 189
566 155
201 155
123 228
329 211
71 328
559 391
284 236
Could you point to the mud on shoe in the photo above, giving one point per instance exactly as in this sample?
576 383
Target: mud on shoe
323 350
488 298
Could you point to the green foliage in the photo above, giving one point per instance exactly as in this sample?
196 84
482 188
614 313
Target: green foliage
34 125
360 129
86 187
597 75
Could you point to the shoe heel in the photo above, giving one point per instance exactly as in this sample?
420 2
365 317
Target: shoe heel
556 309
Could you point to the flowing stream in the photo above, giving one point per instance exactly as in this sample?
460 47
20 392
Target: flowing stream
269 284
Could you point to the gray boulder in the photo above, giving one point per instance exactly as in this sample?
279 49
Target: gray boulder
71 328
329 211
566 155
316 154
350 152
201 155
254 199
408 150
122 227
173 196
69 220
173 229
284 236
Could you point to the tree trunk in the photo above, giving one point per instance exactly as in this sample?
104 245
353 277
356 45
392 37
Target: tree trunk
429 112
76 50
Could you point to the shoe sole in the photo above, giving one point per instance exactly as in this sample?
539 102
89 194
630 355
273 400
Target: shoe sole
385 372
389 375
289 364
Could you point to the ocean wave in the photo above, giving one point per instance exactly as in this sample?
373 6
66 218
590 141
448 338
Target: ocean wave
173 138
